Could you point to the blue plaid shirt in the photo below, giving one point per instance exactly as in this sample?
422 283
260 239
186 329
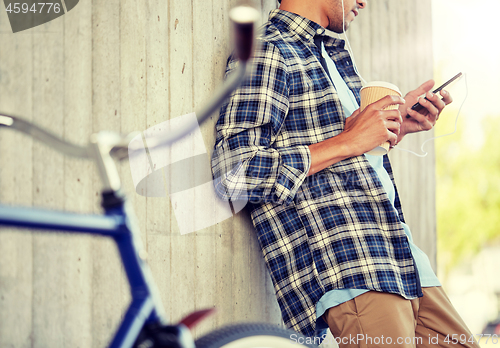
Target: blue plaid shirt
336 229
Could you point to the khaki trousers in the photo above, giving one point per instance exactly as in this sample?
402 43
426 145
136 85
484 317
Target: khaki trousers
377 319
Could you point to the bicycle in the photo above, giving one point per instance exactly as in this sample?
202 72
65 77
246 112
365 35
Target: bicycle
144 324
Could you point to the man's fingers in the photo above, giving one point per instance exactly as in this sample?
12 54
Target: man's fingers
447 99
394 115
423 88
394 127
432 103
388 100
422 120
393 138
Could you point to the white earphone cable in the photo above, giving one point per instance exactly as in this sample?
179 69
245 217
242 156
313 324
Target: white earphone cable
349 45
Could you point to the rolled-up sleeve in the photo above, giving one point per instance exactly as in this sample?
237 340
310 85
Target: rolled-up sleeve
246 163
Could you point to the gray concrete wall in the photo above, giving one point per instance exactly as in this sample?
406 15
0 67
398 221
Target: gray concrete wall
129 65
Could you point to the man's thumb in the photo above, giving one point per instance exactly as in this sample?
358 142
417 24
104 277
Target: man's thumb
355 113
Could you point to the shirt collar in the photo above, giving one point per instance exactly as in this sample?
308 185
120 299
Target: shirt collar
303 27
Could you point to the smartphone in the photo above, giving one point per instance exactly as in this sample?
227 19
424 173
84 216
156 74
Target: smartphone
418 107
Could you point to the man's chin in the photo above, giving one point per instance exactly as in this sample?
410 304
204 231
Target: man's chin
338 30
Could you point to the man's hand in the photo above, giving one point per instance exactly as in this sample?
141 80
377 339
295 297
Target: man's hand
426 118
363 132
374 126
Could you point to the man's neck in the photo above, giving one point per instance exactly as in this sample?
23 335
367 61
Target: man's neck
311 10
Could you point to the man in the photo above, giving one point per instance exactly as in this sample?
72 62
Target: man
291 141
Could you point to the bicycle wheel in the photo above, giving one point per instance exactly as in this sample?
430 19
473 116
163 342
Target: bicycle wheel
254 336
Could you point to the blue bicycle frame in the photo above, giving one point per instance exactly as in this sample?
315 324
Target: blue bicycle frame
117 223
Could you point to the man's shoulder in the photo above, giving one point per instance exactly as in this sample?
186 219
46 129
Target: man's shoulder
273 44
269 32
271 36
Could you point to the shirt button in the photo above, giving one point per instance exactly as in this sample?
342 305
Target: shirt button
319 31
308 36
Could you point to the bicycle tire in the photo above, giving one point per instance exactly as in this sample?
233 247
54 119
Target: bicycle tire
253 336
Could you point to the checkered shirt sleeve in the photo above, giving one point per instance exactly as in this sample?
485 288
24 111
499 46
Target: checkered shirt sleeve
247 164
